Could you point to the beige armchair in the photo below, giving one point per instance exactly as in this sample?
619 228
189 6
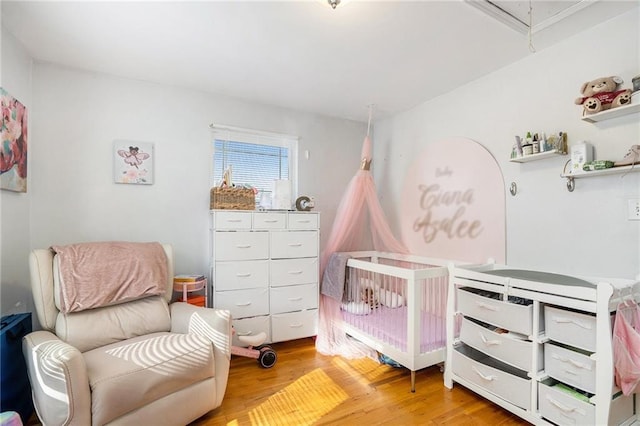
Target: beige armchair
121 353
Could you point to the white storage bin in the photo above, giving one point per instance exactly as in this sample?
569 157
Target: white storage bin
233 275
510 316
571 367
294 271
303 221
293 298
563 408
232 220
244 303
502 346
294 244
508 383
294 325
269 220
251 327
566 409
572 328
241 245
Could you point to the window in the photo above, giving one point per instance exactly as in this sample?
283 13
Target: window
256 158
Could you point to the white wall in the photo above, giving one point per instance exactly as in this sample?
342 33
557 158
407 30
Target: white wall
14 206
79 114
585 232
74 116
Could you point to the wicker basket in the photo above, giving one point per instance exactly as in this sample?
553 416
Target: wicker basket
232 199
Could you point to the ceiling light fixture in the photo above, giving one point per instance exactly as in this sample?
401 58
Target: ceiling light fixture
333 3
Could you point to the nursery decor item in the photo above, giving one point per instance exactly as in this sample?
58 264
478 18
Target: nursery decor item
453 203
635 81
597 165
133 162
236 198
601 94
581 153
358 207
13 144
632 157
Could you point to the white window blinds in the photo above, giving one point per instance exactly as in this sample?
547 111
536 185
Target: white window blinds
256 158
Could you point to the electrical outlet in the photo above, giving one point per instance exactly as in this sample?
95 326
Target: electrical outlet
634 209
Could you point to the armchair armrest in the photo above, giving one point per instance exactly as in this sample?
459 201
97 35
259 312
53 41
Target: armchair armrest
62 396
214 324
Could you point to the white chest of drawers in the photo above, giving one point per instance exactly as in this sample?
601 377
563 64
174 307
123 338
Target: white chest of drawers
537 344
265 270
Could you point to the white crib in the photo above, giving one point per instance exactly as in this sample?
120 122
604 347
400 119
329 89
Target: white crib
396 304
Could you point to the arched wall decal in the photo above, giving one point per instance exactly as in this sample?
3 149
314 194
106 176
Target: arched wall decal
453 203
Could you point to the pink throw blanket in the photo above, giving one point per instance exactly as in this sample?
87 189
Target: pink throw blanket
107 273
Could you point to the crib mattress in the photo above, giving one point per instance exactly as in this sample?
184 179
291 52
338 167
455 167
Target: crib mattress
389 325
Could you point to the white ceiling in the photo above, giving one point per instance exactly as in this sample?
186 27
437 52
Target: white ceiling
297 54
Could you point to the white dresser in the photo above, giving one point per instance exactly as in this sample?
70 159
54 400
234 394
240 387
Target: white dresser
265 270
537 344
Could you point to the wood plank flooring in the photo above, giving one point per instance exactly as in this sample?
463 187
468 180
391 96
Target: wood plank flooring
307 388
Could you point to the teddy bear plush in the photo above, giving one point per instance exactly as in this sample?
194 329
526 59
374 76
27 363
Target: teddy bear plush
601 94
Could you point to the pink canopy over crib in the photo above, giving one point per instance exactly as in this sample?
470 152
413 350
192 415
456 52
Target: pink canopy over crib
358 209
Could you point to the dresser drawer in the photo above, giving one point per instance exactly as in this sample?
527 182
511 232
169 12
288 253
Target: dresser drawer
251 327
232 220
502 346
303 221
243 245
294 271
244 303
293 298
294 325
573 328
294 244
237 275
562 407
510 316
508 383
571 367
269 220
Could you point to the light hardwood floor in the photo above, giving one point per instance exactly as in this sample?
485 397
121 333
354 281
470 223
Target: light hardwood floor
307 388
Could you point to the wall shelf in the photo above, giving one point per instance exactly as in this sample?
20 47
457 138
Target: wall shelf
535 157
611 171
612 113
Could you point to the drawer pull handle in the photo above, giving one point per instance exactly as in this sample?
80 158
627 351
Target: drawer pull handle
295 244
565 408
573 362
296 325
243 246
304 221
243 304
295 299
489 342
483 377
245 275
295 272
234 220
487 307
271 221
561 320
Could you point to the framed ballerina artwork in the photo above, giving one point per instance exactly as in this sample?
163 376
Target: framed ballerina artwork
133 162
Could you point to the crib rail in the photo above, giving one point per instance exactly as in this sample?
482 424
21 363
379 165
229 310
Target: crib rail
398 300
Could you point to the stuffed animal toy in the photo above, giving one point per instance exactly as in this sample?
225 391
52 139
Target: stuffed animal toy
601 94
369 297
